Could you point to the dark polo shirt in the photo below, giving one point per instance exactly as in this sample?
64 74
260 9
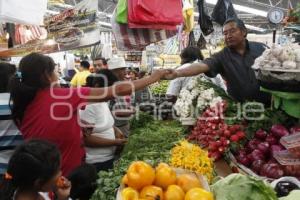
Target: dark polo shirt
236 69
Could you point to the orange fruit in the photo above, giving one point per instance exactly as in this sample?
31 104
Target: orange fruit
164 176
129 194
140 174
125 180
174 192
187 182
151 192
198 194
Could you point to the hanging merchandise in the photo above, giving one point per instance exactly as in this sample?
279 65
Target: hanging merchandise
17 11
24 34
122 11
192 40
137 39
204 20
107 46
155 14
201 42
222 11
188 15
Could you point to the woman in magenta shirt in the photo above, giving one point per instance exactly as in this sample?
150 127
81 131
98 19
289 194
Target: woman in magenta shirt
41 109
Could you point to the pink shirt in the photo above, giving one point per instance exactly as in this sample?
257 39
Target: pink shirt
52 116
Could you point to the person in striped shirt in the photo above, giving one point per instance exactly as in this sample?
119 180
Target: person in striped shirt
10 136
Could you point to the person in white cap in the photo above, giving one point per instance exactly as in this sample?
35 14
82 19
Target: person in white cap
122 110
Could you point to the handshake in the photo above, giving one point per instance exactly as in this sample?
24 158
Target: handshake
166 74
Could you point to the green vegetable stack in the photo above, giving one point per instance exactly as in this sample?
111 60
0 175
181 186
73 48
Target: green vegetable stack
160 88
151 143
241 187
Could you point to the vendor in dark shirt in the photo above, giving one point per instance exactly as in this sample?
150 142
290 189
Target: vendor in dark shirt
233 63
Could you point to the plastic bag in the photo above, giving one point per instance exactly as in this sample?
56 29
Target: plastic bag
192 41
201 42
204 20
222 11
122 11
145 12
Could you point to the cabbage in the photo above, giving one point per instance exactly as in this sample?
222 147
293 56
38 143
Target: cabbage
241 187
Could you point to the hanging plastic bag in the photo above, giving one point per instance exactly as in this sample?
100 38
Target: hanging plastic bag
192 40
122 11
222 11
136 39
204 20
201 42
155 12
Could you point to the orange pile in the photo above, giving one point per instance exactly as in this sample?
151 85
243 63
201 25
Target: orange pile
146 183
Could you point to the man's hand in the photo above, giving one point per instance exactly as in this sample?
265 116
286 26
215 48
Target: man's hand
160 73
170 75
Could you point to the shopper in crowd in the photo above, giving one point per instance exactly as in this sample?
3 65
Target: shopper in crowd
188 56
41 109
233 63
121 109
99 63
101 143
79 78
133 74
33 173
10 136
84 182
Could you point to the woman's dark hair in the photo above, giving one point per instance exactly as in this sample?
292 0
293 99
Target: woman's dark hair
35 160
35 70
84 182
190 54
6 72
103 78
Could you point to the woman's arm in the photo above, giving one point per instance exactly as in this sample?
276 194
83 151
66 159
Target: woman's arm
125 87
96 141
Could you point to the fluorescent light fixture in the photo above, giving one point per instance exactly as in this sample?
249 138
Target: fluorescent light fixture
255 28
243 9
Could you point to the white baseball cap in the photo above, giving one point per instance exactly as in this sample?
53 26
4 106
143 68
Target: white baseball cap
116 63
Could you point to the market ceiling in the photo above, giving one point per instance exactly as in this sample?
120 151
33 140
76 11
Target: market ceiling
108 6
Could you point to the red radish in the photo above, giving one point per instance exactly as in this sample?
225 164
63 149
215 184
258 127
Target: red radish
234 138
241 135
215 155
227 133
279 131
221 150
261 134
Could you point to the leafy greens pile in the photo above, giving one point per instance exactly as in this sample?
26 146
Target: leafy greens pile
151 143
